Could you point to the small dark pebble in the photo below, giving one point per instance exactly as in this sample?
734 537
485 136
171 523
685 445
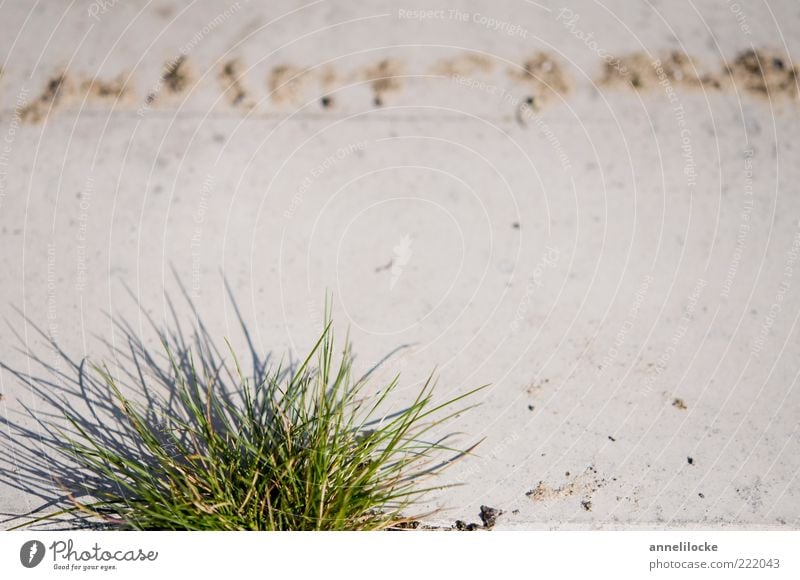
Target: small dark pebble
463 526
489 516
701 495
515 225
326 102
610 438
531 407
690 460
587 505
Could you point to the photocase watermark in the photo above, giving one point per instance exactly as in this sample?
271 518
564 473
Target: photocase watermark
548 260
627 326
316 315
689 164
8 141
99 7
66 556
741 17
569 18
31 553
197 235
677 337
776 307
51 309
495 90
319 170
484 20
525 113
744 225
401 255
84 203
406 14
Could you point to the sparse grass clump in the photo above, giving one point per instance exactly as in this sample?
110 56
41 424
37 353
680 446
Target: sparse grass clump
305 449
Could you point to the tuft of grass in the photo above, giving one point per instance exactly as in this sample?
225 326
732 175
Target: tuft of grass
304 449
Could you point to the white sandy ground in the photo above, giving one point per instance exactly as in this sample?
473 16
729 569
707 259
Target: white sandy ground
594 260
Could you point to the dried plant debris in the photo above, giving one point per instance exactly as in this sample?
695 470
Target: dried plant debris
230 78
680 68
543 491
545 76
113 90
463 65
632 70
489 516
535 388
582 485
641 72
53 94
678 403
765 74
385 78
286 83
542 79
176 76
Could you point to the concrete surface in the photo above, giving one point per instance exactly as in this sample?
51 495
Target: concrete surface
511 191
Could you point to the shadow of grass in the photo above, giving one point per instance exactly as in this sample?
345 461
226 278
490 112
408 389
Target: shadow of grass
35 448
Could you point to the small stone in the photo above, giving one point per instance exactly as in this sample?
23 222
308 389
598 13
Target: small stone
489 516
